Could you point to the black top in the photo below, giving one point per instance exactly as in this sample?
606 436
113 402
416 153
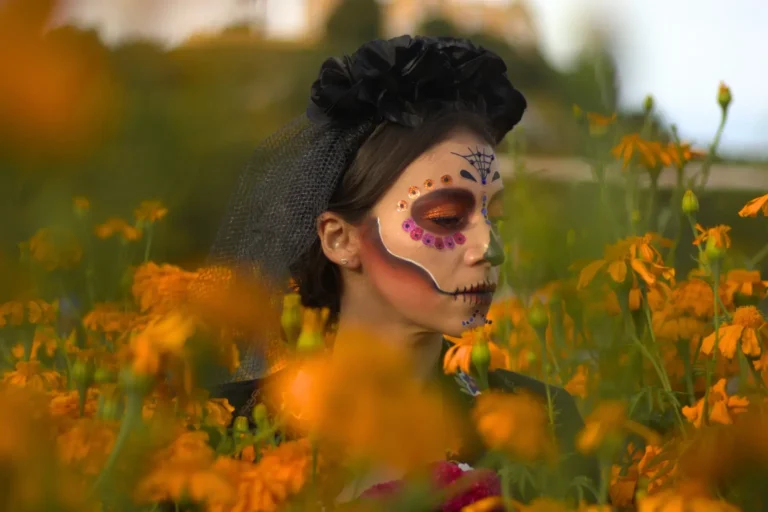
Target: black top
243 395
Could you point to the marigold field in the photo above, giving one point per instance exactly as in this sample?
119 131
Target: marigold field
105 373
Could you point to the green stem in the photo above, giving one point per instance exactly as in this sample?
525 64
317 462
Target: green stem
547 372
688 366
707 165
605 480
676 206
650 213
132 418
711 361
148 246
762 253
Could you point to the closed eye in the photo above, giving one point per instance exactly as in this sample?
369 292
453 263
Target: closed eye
448 221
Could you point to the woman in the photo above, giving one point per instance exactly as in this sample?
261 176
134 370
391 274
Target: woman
382 204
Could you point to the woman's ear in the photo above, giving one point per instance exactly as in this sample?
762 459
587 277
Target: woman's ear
339 239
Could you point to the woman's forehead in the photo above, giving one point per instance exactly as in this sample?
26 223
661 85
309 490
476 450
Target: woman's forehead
465 159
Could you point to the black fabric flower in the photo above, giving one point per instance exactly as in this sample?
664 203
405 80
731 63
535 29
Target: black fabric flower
406 78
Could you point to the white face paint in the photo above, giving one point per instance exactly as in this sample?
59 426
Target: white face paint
428 243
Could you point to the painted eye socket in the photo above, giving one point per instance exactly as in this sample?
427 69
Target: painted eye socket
450 222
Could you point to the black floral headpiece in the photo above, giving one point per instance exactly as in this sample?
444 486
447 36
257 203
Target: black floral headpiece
404 79
292 175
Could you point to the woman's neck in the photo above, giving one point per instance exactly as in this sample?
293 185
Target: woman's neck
387 325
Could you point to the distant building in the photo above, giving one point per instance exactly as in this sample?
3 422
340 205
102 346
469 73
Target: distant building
510 20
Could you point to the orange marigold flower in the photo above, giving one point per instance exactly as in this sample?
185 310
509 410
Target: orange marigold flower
86 444
633 144
160 289
150 211
31 374
657 466
187 470
623 485
683 498
718 234
678 154
111 319
610 419
53 250
459 355
161 339
721 408
578 385
31 311
66 404
281 473
514 423
215 412
633 256
117 226
755 206
745 326
745 284
599 123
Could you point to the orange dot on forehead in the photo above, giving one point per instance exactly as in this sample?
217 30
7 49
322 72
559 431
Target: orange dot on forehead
446 179
429 184
402 205
413 192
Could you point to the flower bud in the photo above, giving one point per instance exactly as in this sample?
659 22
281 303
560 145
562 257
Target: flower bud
690 202
577 112
724 97
81 205
312 337
109 408
713 251
259 414
648 104
241 424
82 373
537 315
104 375
290 319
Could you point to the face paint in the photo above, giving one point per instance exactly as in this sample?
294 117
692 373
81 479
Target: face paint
441 215
481 161
495 252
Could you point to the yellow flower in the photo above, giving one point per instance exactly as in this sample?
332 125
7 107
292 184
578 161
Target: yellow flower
66 404
459 355
31 374
721 408
111 319
632 144
117 226
633 256
608 420
718 235
187 470
599 123
657 467
745 327
682 499
213 412
514 423
150 211
755 206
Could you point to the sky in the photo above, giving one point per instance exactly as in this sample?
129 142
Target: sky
678 50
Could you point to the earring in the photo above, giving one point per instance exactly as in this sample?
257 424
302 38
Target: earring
344 261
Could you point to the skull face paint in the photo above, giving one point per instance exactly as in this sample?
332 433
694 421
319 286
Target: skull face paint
429 260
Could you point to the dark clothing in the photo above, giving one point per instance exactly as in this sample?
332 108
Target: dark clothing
568 422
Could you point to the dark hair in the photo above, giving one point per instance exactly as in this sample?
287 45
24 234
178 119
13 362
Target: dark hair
378 163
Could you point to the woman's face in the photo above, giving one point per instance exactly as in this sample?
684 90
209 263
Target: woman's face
430 246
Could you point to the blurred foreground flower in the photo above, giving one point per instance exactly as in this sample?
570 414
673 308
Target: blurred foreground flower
459 355
53 250
632 256
609 423
515 424
33 375
686 497
117 226
150 211
721 407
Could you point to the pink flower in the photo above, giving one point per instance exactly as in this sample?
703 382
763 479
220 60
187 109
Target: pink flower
485 483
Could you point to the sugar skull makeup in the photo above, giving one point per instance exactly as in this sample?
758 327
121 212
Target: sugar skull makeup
429 246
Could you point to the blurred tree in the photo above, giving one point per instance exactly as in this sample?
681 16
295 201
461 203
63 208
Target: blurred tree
438 26
353 23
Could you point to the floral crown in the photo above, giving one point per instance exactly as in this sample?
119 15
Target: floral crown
405 79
